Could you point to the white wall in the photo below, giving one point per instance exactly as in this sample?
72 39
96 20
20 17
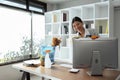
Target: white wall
117 30
9 73
50 7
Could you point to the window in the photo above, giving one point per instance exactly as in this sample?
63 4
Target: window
17 28
38 31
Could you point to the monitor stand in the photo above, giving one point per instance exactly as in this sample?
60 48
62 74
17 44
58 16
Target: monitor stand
96 66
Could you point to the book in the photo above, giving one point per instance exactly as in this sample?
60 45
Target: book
64 17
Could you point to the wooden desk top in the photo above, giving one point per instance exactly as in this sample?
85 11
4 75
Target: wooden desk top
58 72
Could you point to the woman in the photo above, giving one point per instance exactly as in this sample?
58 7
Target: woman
77 25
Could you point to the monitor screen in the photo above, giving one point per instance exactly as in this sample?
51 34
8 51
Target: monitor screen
83 50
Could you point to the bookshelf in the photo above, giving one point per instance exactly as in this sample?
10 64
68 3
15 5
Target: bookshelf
58 24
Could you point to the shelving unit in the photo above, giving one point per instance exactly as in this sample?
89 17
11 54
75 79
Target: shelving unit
88 12
102 27
58 23
102 10
56 16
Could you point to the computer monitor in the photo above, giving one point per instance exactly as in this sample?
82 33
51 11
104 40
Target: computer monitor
95 54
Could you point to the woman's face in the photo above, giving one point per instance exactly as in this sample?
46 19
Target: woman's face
77 26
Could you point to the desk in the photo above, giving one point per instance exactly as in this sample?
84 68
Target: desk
58 72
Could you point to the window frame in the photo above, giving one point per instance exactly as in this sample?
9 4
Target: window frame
44 6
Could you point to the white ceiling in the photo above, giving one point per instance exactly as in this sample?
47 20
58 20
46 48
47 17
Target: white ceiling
54 1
